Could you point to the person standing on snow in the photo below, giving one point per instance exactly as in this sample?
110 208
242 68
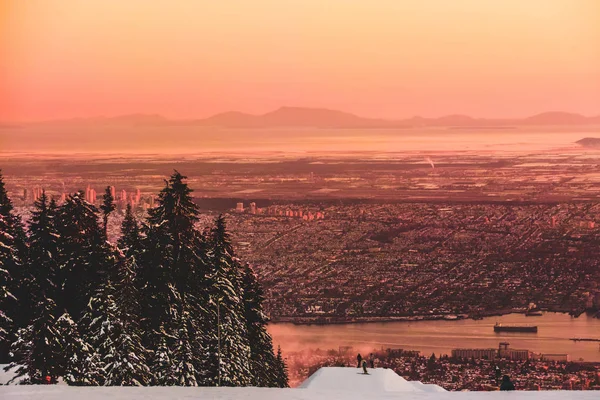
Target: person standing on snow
359 359
364 365
372 360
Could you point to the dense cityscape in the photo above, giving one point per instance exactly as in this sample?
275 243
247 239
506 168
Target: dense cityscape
456 373
418 260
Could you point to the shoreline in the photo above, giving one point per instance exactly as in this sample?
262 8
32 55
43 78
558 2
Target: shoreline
329 320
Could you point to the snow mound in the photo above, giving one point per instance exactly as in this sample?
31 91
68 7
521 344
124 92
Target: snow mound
353 380
427 387
7 376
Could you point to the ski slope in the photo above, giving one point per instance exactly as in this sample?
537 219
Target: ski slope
352 379
325 384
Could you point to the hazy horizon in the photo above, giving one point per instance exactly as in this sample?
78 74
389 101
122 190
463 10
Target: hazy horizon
384 59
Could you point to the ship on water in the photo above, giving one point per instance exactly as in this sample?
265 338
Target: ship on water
515 328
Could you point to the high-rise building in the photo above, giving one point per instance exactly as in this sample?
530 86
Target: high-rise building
123 195
553 222
25 194
252 208
239 207
37 193
113 192
138 196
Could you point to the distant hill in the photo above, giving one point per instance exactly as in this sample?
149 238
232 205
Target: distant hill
325 118
557 118
298 117
590 142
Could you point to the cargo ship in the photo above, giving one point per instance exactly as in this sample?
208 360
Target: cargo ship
515 328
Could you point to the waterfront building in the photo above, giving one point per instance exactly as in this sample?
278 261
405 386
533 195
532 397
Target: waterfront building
488 354
555 357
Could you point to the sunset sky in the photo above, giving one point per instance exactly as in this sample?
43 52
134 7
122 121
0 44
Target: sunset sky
381 58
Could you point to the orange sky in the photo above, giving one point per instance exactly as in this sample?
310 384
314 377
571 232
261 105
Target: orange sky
385 58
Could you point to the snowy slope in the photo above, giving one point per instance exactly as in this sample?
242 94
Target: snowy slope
325 384
181 393
352 379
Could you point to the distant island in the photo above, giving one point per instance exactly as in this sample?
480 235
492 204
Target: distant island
326 118
590 142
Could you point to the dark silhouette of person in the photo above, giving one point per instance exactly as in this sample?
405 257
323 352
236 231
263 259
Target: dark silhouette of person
506 384
372 360
359 359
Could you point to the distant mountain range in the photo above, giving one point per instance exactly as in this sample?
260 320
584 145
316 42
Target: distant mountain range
589 142
324 118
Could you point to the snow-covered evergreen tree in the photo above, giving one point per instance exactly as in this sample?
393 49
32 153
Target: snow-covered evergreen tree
7 254
281 371
42 266
85 259
13 251
118 346
107 207
228 350
37 350
263 362
161 366
130 241
183 370
172 267
79 362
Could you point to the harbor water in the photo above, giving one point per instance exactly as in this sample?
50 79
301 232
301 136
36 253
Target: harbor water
553 337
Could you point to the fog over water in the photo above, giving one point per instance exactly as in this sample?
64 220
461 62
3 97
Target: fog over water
440 337
198 140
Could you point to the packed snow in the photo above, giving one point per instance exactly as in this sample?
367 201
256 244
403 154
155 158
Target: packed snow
325 384
378 380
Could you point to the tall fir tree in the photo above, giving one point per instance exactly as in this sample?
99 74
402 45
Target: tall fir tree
80 364
281 371
183 369
42 265
107 207
120 352
172 265
13 251
85 261
263 362
161 366
7 255
130 241
37 349
229 338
